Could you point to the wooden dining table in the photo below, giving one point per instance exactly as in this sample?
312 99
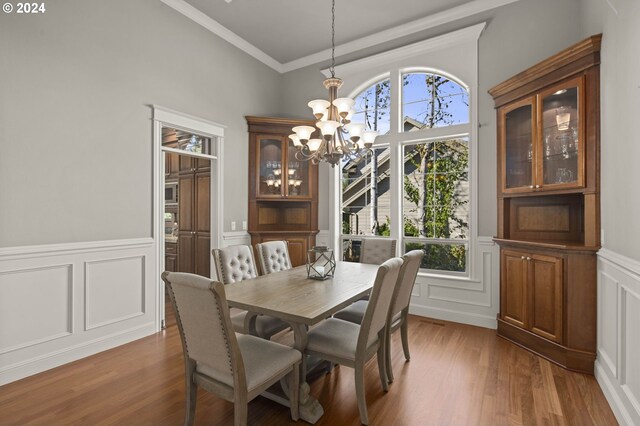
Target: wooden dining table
303 302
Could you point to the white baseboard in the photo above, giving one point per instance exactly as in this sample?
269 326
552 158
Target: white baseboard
48 361
454 316
611 391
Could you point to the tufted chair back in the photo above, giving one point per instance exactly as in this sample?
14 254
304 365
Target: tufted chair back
273 256
234 263
377 250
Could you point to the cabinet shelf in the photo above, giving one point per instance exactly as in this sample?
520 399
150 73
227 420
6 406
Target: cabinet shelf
553 245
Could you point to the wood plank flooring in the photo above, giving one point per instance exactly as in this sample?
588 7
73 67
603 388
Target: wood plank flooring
458 375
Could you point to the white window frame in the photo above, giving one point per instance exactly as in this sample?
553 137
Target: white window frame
395 63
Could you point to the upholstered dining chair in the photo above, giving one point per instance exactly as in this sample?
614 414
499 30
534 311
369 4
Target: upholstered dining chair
351 344
399 312
234 264
236 367
377 250
273 256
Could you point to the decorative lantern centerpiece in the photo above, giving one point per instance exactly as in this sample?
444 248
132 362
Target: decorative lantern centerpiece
321 263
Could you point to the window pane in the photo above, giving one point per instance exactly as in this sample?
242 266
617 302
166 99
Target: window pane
436 189
441 257
432 100
180 139
366 200
372 107
351 250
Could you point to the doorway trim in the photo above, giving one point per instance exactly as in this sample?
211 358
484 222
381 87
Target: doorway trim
165 117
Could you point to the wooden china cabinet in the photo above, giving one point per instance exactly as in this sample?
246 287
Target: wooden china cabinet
283 191
549 205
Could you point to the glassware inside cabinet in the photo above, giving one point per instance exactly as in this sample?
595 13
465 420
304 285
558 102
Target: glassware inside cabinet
297 174
561 138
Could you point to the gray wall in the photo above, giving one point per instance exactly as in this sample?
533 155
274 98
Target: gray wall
75 125
620 109
517 36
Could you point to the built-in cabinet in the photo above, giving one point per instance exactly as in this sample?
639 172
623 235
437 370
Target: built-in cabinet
533 298
549 205
171 166
283 190
194 228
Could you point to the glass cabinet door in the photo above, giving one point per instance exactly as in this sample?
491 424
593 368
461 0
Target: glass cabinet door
270 166
298 176
518 147
561 135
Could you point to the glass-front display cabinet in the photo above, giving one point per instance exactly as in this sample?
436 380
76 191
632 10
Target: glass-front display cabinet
281 174
542 139
283 190
548 205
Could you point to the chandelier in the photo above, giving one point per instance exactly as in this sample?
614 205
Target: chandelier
341 139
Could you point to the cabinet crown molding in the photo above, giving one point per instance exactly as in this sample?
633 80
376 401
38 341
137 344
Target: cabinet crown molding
565 63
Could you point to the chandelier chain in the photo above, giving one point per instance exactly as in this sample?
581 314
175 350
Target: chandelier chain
333 38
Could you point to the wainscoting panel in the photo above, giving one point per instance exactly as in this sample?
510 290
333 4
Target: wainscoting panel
35 306
631 347
608 289
62 302
618 362
473 300
114 290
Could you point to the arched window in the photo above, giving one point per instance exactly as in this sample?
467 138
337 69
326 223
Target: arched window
372 107
434 175
432 100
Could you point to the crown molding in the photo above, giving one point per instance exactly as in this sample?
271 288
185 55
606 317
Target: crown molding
422 24
468 9
444 41
223 32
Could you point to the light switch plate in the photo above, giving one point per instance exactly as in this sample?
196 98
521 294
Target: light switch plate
233 225
244 225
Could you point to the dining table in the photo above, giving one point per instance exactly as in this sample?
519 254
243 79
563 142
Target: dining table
302 302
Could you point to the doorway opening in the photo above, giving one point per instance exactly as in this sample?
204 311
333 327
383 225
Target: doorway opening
188 214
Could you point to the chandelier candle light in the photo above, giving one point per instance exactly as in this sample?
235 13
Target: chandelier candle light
334 121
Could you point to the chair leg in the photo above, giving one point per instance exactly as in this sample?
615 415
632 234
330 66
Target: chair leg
387 355
382 360
294 392
362 401
240 413
191 394
404 332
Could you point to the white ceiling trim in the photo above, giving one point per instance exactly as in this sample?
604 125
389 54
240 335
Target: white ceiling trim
440 18
223 32
444 41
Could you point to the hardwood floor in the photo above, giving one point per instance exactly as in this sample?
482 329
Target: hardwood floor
458 375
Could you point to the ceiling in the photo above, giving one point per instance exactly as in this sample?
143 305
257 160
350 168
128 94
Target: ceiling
287 30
